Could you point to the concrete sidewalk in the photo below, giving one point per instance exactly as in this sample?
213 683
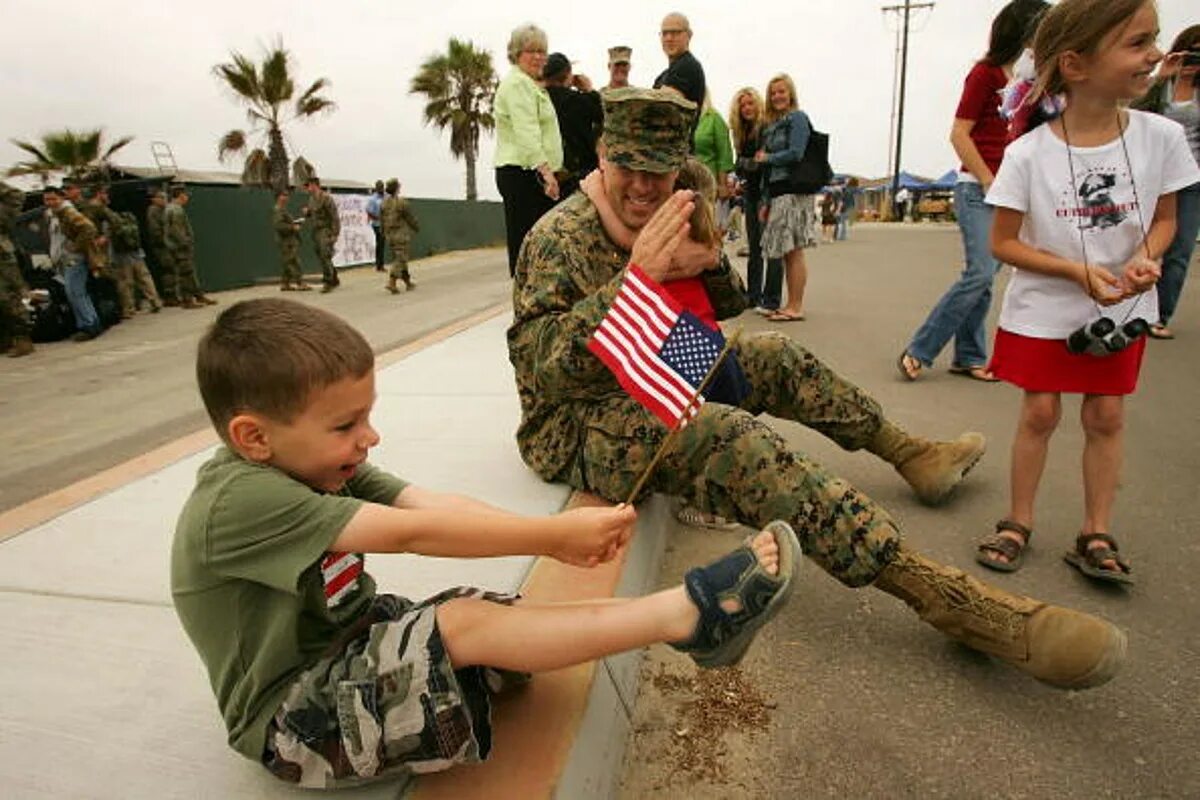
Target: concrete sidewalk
106 698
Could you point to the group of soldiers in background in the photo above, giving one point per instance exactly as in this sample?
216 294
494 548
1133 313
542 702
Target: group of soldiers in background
87 237
393 219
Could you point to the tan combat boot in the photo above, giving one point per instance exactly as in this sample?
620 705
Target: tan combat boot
409 284
1058 646
391 286
932 469
21 346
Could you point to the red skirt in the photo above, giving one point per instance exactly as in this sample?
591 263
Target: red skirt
1046 365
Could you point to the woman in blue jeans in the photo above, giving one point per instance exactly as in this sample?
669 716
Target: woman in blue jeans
1176 95
979 135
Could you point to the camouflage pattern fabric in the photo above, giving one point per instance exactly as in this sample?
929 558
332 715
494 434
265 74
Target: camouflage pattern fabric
180 245
387 703
108 224
14 318
647 129
157 233
287 235
79 232
327 225
134 266
578 426
398 220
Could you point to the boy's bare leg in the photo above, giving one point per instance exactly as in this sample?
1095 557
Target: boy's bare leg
535 638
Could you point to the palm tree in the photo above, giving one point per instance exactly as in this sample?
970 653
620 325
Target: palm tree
267 91
79 154
459 86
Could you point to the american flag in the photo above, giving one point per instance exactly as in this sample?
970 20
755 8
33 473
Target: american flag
659 352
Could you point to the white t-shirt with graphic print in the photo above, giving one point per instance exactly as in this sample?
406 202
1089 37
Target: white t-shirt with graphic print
1101 208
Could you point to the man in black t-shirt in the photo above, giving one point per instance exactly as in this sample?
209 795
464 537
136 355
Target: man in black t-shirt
580 119
683 73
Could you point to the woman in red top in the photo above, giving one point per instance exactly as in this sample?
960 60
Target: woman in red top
979 135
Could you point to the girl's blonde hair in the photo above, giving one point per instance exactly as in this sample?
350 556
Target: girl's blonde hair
770 113
742 131
1074 26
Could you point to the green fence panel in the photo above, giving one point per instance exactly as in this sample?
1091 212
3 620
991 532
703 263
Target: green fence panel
235 244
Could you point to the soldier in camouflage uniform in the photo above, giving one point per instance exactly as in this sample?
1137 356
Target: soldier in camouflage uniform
130 258
287 235
398 221
326 226
579 427
107 224
157 232
181 245
15 331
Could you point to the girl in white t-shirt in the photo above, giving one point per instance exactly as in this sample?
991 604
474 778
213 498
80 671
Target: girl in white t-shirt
1085 207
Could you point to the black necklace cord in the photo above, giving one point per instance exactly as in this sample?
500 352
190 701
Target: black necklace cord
1079 220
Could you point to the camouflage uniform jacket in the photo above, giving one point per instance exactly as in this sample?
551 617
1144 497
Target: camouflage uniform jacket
567 275
78 230
285 228
177 228
156 226
397 218
11 200
104 218
324 215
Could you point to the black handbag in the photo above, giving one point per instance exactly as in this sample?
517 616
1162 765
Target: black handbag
811 173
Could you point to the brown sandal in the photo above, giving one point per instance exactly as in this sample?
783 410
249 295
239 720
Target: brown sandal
1006 546
1090 560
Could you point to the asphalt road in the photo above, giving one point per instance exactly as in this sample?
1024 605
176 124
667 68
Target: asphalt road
865 701
73 409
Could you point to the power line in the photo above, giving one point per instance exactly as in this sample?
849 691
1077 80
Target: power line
906 10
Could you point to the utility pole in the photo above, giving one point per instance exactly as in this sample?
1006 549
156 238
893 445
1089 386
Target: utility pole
907 10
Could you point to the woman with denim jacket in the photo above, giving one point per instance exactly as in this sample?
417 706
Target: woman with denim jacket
979 136
790 218
1175 94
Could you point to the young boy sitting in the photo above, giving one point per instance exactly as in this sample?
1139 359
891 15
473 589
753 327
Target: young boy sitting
318 677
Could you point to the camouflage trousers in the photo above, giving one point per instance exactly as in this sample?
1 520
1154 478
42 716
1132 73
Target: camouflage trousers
387 704
132 268
728 462
323 244
14 318
399 247
184 261
168 277
289 254
123 279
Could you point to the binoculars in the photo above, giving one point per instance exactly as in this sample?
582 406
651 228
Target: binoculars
1102 337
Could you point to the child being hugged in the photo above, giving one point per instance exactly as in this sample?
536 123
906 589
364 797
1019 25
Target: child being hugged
1085 208
320 678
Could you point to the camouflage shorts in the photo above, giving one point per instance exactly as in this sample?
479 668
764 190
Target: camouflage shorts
387 704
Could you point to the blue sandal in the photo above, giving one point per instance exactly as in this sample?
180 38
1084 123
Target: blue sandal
722 638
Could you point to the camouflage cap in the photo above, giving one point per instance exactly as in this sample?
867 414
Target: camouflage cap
647 129
619 55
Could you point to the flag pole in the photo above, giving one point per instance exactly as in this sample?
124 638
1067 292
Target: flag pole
662 448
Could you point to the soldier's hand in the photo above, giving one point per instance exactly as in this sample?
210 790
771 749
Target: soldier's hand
591 535
661 236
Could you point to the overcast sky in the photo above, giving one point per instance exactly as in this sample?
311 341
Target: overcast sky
144 69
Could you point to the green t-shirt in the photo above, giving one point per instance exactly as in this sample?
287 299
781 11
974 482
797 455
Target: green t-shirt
254 586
